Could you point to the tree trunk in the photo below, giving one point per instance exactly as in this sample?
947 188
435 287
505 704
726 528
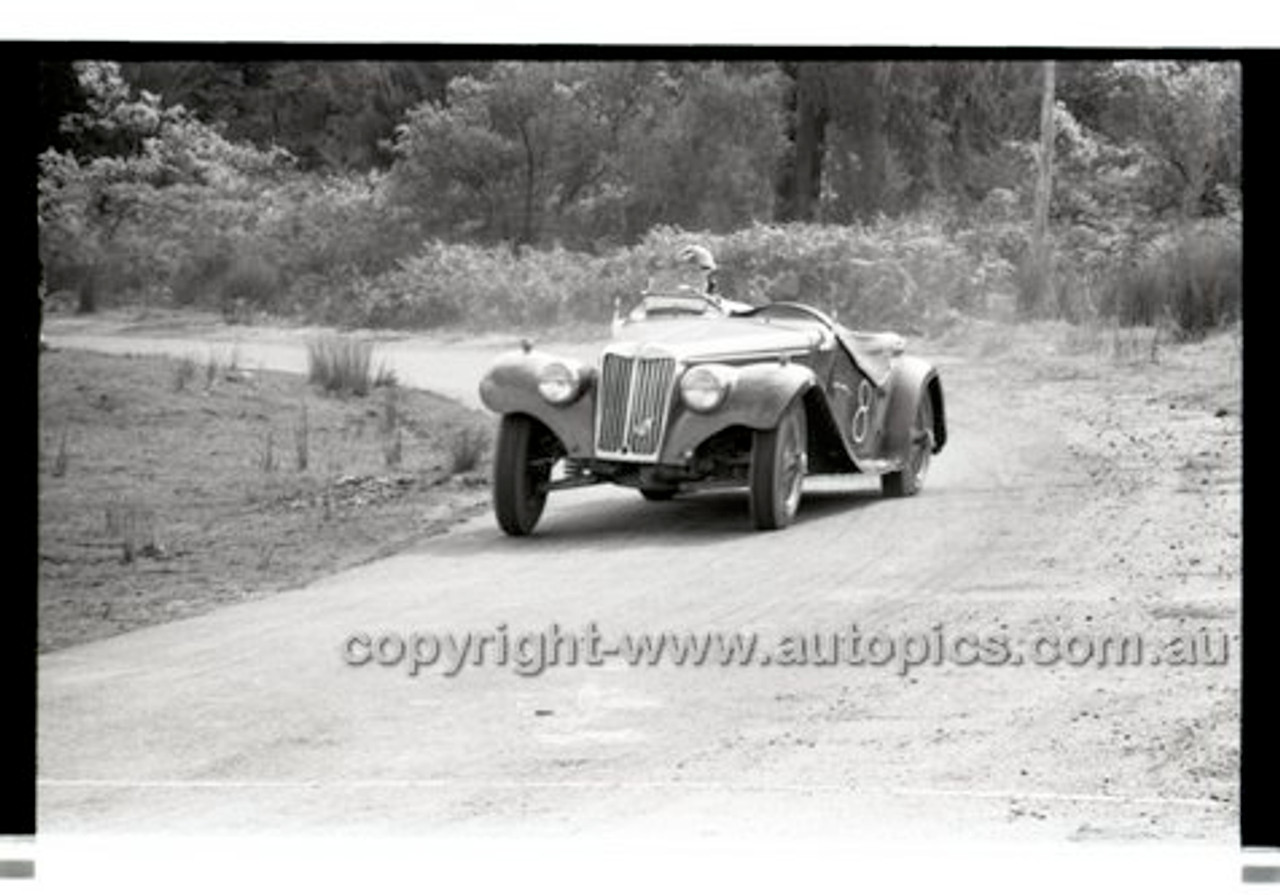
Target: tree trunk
526 236
811 123
1039 287
871 188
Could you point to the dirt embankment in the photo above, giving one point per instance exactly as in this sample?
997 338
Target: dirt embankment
170 487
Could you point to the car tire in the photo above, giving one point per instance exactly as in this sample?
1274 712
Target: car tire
778 462
522 463
910 479
657 495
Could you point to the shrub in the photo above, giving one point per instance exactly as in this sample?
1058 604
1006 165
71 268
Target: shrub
448 284
894 273
252 280
1192 279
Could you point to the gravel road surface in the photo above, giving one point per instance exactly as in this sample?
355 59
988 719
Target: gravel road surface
249 719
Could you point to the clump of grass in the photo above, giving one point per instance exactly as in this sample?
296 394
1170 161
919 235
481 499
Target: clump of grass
1135 344
1112 341
211 369
134 527
1193 280
391 411
267 455
393 449
385 377
389 427
343 365
266 553
466 448
326 502
216 366
62 458
1084 338
183 374
302 441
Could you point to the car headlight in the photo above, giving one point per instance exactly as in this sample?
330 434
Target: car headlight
704 388
559 383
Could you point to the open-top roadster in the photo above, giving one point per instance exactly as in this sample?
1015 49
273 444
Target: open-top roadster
698 392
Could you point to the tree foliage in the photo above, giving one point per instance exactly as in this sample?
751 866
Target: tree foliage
588 152
332 116
306 184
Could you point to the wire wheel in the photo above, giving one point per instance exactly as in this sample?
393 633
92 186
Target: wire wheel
779 460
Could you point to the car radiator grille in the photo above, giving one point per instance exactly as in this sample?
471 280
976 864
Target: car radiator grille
632 405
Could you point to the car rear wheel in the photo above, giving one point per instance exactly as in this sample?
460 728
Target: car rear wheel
525 454
778 462
910 479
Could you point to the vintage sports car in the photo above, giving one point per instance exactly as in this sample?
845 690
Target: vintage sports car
698 392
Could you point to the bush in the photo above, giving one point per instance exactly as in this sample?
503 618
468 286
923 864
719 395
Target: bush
1191 279
897 273
447 284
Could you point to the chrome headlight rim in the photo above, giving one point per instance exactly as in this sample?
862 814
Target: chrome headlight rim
705 387
560 382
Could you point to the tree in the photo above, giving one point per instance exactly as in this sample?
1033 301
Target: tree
500 155
583 152
1187 115
332 115
1036 295
103 218
875 137
704 152
800 184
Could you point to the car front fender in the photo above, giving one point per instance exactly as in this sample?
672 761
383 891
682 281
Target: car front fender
757 399
511 386
912 378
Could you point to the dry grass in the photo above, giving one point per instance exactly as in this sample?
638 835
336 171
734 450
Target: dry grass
302 441
184 373
156 503
467 448
344 365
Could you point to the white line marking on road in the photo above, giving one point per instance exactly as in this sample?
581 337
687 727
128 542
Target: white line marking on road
627 784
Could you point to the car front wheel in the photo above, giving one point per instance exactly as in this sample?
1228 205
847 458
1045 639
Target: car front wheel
778 462
522 463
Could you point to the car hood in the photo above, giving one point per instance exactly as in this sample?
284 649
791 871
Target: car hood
711 338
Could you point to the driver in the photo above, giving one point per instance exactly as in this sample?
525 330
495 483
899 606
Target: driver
701 258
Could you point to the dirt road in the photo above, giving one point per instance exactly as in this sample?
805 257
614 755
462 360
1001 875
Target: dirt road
1080 496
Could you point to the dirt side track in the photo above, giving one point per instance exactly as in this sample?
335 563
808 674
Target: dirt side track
1079 495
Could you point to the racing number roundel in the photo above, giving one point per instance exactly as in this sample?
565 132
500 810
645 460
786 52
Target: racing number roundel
862 414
